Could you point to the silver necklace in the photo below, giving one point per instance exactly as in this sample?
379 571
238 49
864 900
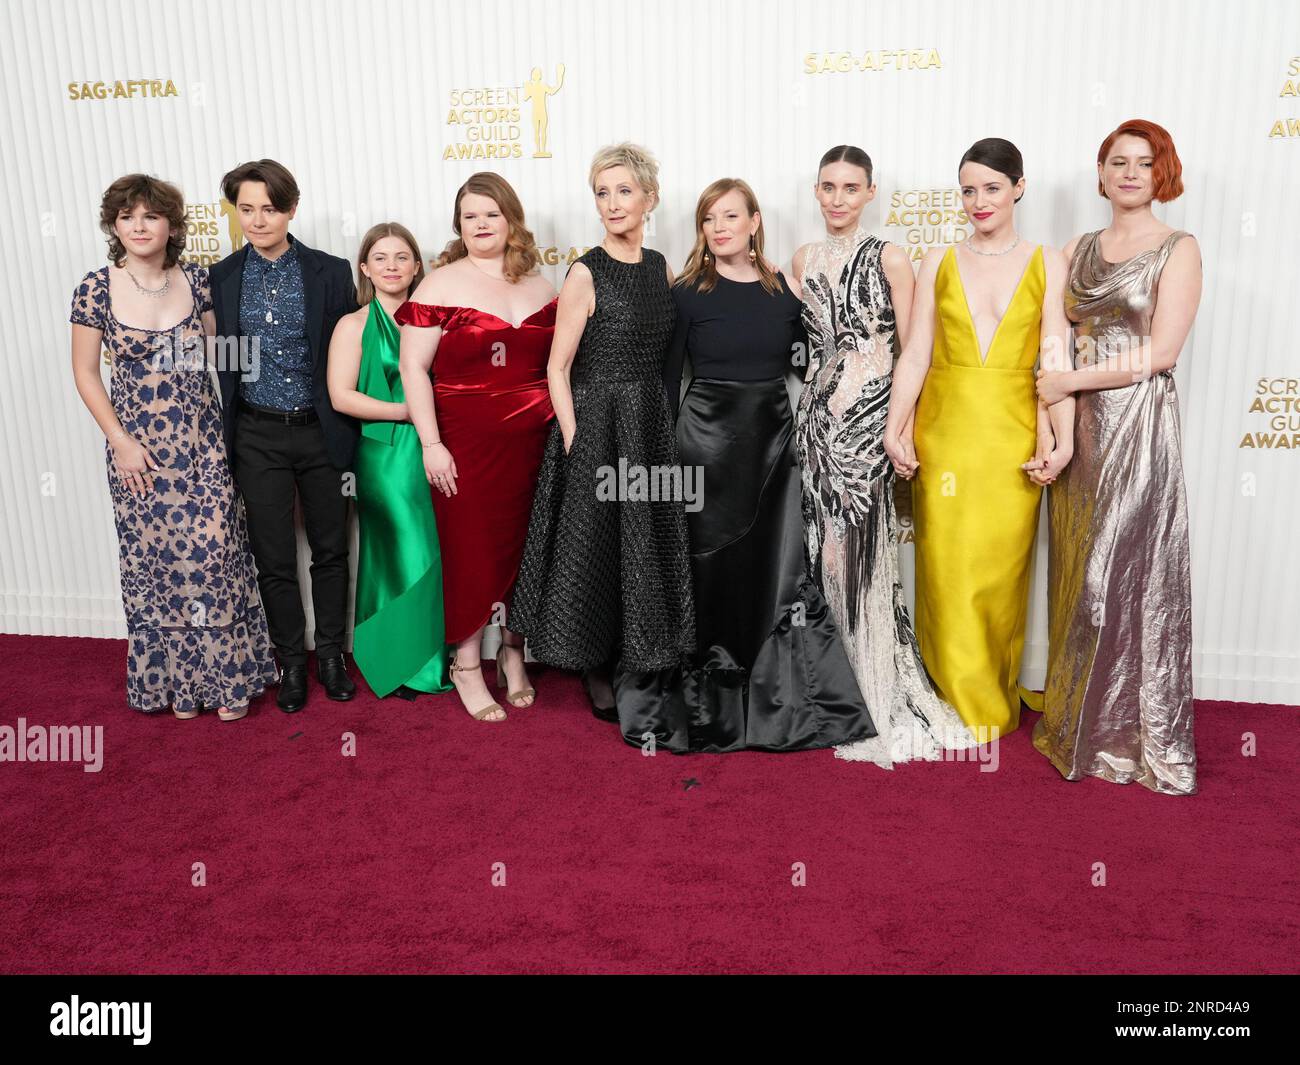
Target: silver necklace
155 293
976 250
270 303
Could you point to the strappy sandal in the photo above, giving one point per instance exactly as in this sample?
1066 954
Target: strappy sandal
480 715
226 714
523 693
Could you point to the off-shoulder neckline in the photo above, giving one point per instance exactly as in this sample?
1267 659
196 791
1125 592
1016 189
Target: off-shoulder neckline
487 314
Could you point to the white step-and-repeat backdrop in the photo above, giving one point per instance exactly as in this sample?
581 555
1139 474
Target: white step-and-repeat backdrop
381 109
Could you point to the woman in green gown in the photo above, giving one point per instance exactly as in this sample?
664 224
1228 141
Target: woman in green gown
398 642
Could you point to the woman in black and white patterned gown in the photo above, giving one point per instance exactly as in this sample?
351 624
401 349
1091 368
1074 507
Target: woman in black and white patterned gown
851 283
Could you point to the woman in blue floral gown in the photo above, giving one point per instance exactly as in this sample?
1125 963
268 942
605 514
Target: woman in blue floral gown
197 636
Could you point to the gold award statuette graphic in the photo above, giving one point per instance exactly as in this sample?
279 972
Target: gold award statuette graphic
233 227
203 230
535 92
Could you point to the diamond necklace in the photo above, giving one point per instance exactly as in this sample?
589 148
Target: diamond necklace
155 293
976 250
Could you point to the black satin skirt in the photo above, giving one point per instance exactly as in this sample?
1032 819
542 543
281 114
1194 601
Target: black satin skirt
769 673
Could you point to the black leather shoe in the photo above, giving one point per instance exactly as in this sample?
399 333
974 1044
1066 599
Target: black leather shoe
293 689
335 680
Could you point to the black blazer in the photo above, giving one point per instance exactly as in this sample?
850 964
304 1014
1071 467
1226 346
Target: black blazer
330 294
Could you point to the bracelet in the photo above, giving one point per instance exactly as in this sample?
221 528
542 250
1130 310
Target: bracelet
433 443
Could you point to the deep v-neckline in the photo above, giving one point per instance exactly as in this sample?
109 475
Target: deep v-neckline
970 318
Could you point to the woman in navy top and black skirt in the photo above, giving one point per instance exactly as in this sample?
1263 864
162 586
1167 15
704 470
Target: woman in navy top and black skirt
769 671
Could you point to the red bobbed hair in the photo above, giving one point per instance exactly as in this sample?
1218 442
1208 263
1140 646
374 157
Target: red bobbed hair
1167 168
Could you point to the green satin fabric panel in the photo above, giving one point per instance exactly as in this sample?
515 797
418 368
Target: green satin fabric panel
399 636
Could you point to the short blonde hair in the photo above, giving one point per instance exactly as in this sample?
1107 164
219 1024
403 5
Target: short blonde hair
637 159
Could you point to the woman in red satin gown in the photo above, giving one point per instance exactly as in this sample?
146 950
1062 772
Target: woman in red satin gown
483 321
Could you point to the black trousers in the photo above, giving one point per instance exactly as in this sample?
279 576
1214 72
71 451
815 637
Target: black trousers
270 461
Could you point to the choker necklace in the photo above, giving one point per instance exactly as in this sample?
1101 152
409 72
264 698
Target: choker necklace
1002 252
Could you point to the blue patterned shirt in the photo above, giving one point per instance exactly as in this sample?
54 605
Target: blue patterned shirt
285 381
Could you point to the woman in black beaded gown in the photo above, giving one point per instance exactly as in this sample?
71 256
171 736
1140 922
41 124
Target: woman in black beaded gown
605 582
770 672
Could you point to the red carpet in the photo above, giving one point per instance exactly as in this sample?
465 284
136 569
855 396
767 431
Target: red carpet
383 862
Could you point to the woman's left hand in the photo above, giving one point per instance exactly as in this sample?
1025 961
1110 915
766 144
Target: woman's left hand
1053 386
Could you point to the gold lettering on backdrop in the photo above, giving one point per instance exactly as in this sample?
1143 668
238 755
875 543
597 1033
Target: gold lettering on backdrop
929 218
486 123
147 88
1288 127
553 256
884 59
205 224
1277 401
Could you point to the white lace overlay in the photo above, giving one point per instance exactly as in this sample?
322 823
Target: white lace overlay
848 503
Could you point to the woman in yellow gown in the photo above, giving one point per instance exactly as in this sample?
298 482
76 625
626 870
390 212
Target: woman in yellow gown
983 444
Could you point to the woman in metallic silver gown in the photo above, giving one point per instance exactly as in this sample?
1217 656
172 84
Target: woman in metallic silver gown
1118 698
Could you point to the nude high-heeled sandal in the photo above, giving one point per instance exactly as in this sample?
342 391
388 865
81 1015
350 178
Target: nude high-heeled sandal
480 715
523 693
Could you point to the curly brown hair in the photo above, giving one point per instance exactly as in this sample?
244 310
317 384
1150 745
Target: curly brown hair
125 194
522 256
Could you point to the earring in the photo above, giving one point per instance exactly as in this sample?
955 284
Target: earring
705 260
753 255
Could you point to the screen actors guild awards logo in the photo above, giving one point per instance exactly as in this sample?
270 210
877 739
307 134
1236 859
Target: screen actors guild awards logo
486 123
